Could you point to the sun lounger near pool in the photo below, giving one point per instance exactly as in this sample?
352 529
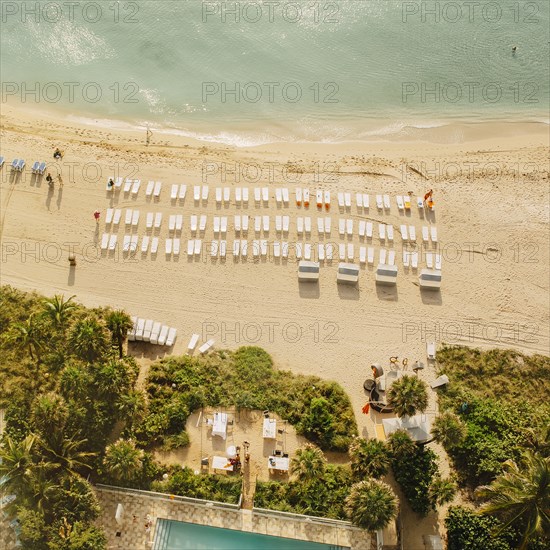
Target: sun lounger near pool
135 187
400 204
197 193
163 335
193 342
342 251
391 257
174 192
104 241
429 260
362 254
412 233
389 232
155 331
379 203
369 230
298 192
382 231
158 220
205 347
158 188
144 244
404 234
171 337
370 255
112 242
387 205
109 216
154 245
285 196
182 191
205 190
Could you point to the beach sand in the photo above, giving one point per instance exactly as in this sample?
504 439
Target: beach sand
491 198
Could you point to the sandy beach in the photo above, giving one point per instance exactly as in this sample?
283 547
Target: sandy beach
491 215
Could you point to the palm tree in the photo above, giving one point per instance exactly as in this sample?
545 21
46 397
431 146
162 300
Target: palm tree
17 464
371 504
58 310
123 460
132 406
369 458
520 496
65 454
449 430
308 463
49 412
119 323
26 335
88 338
400 443
75 381
441 491
408 395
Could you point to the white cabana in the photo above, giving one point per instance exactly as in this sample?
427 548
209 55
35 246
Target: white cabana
386 274
308 272
347 273
270 428
418 427
430 279
219 426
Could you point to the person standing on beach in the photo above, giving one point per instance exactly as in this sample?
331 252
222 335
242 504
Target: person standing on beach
96 216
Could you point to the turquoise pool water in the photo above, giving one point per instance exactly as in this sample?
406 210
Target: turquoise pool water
177 535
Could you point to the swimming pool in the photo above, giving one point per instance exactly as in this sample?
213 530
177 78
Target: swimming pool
177 535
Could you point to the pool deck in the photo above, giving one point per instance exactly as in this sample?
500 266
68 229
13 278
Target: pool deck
131 533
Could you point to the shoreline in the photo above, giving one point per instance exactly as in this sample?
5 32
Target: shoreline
453 131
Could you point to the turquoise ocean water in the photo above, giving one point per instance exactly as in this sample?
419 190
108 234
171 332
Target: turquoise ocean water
262 71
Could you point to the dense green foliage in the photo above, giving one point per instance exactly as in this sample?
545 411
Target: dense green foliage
371 504
369 458
408 395
177 386
183 481
415 469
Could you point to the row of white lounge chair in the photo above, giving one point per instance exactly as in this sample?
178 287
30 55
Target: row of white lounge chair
306 251
147 330
263 223
262 195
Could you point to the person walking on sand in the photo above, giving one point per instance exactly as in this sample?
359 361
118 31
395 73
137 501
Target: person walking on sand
96 216
49 179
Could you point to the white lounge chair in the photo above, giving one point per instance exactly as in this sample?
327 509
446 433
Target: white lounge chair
147 330
135 218
174 192
320 226
351 251
255 248
386 202
389 232
327 200
109 216
158 188
193 342
118 183
369 230
366 201
359 200
202 223
349 227
244 249
362 228
299 225
430 350
104 241
257 194
190 247
285 196
205 347
404 233
214 247
245 196
412 233
362 254
193 224
265 224
329 251
379 203
126 243
278 223
382 231
265 194
347 199
327 225
342 251
438 262
307 251
218 195
245 223
307 224
238 195
406 258
276 249
149 218
182 191
407 202
197 193
237 224
263 246
298 192
414 260
306 197
117 215
155 331
128 185
223 225
145 244
198 247
319 198
425 233
433 232
158 220
382 256
112 242
286 224
176 247
321 252
341 227
298 250
257 224
172 222
163 335
370 255
179 222
139 329
391 257
284 249
128 217
216 225
236 248
135 187
429 260
171 338
278 197
400 203
168 247
226 194
204 194
154 245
